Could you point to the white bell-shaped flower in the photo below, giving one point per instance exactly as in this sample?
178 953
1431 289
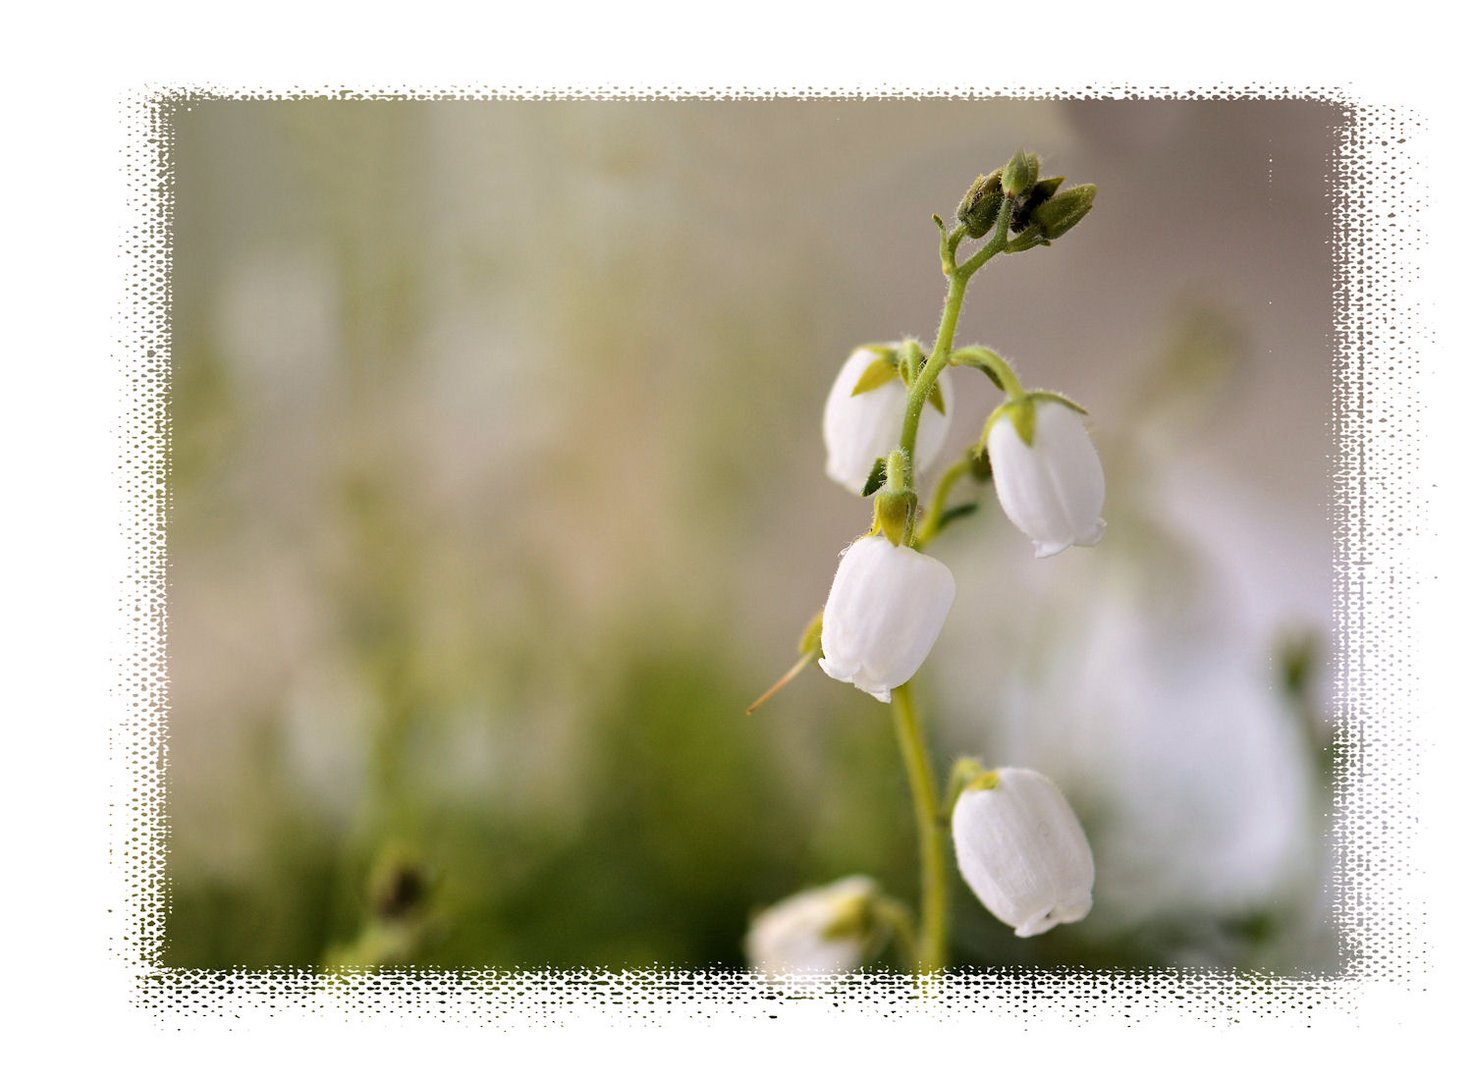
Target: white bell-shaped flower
884 612
858 428
1022 851
827 929
1053 490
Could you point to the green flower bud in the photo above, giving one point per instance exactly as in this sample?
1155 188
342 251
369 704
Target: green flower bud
895 503
1064 211
1041 193
980 205
1020 175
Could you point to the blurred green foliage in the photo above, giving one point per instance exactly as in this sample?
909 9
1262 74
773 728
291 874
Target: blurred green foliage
681 830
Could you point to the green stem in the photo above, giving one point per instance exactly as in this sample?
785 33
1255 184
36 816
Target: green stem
931 522
919 389
932 949
902 927
998 369
1009 379
951 311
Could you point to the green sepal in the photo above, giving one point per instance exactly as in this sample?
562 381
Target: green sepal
812 637
981 463
963 772
935 398
986 782
981 358
875 376
1025 420
984 217
981 447
1041 193
1030 237
895 513
1050 395
1020 412
854 919
979 207
1023 413
1065 210
1046 188
909 361
876 478
1020 175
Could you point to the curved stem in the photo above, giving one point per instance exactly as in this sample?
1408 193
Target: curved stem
931 953
931 522
898 919
921 388
940 357
1009 379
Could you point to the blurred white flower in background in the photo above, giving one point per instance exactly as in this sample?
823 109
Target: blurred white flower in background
1156 701
827 930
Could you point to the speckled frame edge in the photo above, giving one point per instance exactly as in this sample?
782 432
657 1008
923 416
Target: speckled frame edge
1378 496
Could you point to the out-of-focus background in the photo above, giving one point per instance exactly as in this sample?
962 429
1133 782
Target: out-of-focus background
497 494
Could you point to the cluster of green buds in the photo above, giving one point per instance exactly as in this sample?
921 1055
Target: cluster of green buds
1041 211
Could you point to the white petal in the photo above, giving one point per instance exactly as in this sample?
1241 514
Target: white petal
857 430
1053 490
1021 850
884 612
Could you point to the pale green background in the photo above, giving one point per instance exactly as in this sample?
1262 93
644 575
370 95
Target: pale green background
497 493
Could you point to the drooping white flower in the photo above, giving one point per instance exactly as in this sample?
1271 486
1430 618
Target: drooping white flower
827 929
1054 489
884 612
1022 851
857 429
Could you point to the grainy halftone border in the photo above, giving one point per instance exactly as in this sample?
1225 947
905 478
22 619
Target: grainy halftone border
1379 497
